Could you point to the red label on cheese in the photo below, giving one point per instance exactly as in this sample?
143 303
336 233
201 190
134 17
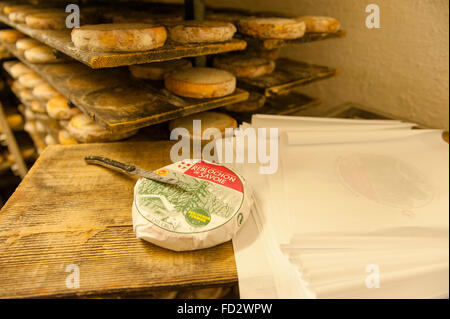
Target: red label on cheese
215 173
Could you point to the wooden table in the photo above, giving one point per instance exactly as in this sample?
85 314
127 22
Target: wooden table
67 212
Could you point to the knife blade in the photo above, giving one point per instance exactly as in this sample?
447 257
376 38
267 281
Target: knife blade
130 169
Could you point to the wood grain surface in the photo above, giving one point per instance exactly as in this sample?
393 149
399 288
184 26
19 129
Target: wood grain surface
67 212
278 105
288 74
270 44
61 41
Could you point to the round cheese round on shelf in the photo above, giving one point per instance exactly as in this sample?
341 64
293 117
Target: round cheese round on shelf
41 54
244 66
208 120
19 69
30 80
254 102
201 32
50 140
84 129
10 36
44 91
52 20
65 138
67 69
200 82
119 37
30 127
26 96
272 28
41 127
273 54
207 207
317 24
19 15
155 71
9 8
27 43
58 108
37 107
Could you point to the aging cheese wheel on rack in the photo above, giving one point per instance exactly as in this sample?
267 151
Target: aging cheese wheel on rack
30 80
155 71
254 102
58 108
84 129
119 37
320 24
200 82
8 8
208 120
244 66
50 140
19 69
53 20
27 43
272 28
65 138
202 32
207 208
10 36
37 107
44 91
41 54
26 96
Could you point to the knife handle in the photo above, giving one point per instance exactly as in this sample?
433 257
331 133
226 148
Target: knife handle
109 163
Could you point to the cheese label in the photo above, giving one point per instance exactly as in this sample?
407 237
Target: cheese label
209 196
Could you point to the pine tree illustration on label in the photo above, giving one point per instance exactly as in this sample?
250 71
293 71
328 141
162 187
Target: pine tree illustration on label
205 210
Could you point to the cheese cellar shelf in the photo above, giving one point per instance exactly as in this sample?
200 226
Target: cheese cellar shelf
270 44
117 101
280 105
61 41
288 74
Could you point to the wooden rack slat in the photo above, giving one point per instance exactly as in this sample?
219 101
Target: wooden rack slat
156 106
279 105
270 44
61 41
287 75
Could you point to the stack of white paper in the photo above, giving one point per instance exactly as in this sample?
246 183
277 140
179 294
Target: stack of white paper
356 209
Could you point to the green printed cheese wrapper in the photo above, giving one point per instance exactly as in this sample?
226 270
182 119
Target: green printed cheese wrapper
206 209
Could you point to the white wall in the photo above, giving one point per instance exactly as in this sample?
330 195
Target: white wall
401 69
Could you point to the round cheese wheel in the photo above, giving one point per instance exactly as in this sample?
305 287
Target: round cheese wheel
65 138
26 96
319 24
19 69
44 91
50 140
30 127
66 69
119 37
273 54
37 107
200 82
41 54
245 66
208 120
53 20
92 82
41 127
30 80
15 121
16 87
207 207
202 32
27 43
84 129
58 108
254 102
155 71
272 28
9 8
10 36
